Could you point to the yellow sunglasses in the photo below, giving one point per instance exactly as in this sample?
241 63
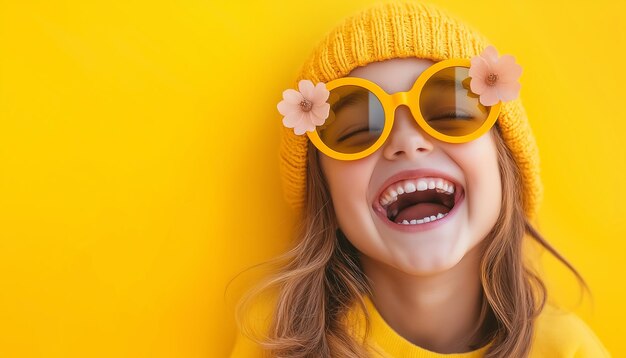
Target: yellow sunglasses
361 113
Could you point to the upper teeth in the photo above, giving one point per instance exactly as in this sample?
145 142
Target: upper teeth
410 185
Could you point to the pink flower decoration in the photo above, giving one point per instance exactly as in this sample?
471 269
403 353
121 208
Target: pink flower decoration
494 78
305 109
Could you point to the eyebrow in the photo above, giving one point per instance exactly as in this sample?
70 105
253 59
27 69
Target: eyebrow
447 81
349 99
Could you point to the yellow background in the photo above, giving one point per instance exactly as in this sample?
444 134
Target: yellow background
139 173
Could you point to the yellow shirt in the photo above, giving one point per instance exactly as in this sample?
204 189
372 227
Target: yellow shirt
558 333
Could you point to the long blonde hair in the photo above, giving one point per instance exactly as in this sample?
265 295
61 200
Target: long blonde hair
320 278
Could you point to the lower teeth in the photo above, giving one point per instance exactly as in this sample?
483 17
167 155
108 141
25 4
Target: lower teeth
423 221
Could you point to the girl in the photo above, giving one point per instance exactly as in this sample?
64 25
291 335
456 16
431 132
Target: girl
411 161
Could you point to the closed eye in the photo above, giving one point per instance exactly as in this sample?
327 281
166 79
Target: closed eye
367 129
451 115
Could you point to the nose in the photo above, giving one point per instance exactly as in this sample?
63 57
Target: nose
406 137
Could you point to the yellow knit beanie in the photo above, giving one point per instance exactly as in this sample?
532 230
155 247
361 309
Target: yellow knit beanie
398 29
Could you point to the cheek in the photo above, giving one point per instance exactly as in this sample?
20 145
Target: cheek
348 183
479 161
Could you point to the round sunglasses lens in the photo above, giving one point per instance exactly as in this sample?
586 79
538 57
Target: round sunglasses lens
449 106
355 121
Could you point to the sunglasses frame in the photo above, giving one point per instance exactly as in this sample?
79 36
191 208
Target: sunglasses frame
410 99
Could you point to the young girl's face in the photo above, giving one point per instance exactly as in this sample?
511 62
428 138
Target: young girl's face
355 186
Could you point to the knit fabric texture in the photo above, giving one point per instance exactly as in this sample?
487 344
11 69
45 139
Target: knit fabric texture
399 29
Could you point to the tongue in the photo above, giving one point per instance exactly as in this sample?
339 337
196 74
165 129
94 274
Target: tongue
420 211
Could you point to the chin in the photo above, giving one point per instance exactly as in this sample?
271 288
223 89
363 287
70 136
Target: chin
426 253
429 264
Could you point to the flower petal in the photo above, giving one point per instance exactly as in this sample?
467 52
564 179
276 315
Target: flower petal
307 117
490 54
509 91
306 88
304 126
311 128
320 94
507 69
479 67
478 85
489 97
293 96
299 130
320 113
478 72
292 120
287 107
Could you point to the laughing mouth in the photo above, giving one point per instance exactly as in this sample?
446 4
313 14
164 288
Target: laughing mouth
418 201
